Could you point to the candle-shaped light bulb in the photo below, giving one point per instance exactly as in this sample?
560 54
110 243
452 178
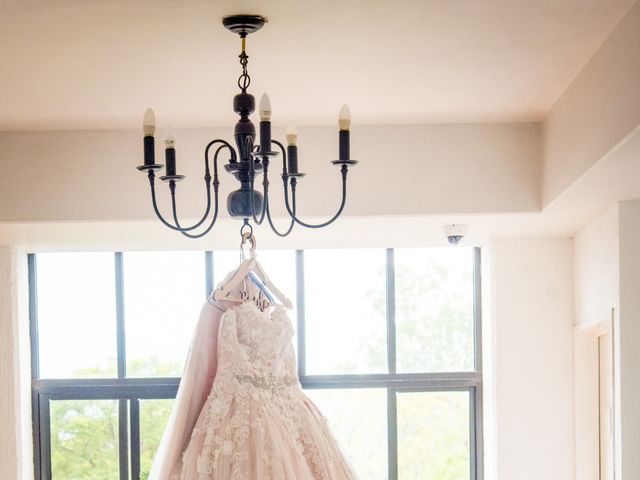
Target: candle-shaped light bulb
344 118
149 123
265 108
291 132
170 137
265 123
170 151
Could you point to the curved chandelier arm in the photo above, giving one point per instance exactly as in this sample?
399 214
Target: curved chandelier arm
265 187
152 184
294 181
266 211
266 196
284 155
216 185
213 219
216 182
207 179
292 213
273 227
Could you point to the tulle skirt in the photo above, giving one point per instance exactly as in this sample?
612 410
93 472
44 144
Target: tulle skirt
264 435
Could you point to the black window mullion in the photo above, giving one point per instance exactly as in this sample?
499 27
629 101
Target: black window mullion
392 433
37 435
33 316
35 363
477 308
134 425
478 435
120 327
45 437
123 421
472 434
300 296
392 413
123 439
476 408
391 310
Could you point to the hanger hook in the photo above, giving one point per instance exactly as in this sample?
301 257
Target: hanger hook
247 235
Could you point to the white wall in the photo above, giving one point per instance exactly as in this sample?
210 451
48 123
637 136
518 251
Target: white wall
628 342
533 351
15 385
597 292
597 268
607 275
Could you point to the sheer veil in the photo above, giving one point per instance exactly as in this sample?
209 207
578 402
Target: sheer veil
195 385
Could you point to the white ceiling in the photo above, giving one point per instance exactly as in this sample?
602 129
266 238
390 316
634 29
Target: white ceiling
100 63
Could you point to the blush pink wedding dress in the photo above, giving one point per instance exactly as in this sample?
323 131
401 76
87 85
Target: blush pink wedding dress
240 413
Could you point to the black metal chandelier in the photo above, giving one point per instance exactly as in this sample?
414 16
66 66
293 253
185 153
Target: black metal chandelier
246 161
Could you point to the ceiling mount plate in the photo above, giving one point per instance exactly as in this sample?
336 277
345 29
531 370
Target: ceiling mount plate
243 25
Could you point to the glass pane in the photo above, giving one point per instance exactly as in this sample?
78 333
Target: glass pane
434 309
84 439
163 295
76 315
154 415
433 435
358 419
345 311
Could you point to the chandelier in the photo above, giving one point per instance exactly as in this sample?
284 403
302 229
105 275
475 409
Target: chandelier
246 162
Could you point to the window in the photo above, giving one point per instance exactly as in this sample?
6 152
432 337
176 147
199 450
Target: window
388 344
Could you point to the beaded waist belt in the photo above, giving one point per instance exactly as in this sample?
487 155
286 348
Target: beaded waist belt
268 382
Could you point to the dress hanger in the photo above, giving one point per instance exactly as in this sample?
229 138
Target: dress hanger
248 267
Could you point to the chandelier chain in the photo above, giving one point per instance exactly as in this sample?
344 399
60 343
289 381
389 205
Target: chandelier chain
244 80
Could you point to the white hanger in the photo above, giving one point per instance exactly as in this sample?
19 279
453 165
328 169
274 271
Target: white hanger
224 291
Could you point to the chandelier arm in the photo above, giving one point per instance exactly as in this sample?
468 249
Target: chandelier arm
154 202
174 209
273 227
213 219
152 175
265 193
207 179
172 187
216 185
265 187
344 171
284 155
268 203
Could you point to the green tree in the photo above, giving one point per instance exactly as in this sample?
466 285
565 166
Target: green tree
84 439
84 433
434 333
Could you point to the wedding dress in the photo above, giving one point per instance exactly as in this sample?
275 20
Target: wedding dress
240 413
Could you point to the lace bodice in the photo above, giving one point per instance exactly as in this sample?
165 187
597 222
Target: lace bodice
262 341
256 380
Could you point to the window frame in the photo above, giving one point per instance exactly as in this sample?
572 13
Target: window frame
129 391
